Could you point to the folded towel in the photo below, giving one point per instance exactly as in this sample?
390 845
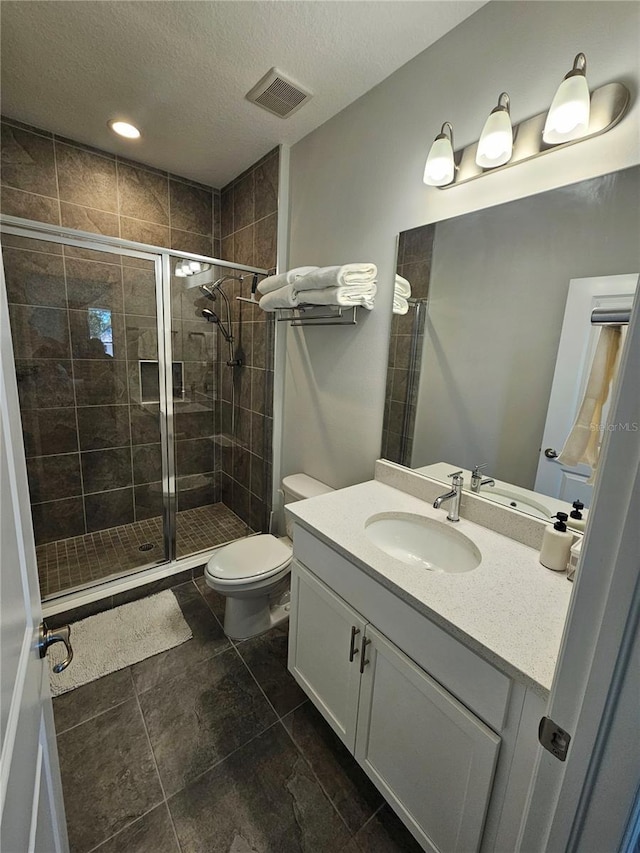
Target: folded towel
284 297
583 443
400 304
339 276
346 296
275 282
402 287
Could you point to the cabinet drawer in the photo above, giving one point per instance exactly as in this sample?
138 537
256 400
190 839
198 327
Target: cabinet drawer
470 678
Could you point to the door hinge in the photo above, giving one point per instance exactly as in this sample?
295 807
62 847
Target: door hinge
553 738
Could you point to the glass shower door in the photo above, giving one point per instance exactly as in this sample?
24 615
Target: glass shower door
84 326
202 441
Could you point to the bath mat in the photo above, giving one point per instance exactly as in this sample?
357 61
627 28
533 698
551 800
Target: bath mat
117 638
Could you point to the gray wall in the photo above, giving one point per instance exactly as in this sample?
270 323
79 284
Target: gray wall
499 283
357 181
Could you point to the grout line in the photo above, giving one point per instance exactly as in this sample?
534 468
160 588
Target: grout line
153 755
96 849
100 713
222 760
315 775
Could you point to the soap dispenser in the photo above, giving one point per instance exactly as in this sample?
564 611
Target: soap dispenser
578 522
556 544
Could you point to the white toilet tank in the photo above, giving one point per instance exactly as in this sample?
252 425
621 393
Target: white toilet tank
298 487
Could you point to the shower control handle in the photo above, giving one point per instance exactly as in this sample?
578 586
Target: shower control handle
48 637
352 648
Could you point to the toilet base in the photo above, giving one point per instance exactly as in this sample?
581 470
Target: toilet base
245 618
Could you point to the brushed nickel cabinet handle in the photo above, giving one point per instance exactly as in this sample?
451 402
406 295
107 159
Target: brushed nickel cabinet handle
352 648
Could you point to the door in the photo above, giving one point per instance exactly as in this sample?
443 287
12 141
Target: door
583 804
325 650
575 355
31 791
429 755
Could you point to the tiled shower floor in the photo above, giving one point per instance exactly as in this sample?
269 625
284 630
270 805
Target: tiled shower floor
86 559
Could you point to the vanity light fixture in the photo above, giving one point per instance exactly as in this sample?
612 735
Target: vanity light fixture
496 140
575 115
568 116
123 128
440 167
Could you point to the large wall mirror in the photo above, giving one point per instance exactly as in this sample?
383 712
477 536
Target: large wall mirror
495 348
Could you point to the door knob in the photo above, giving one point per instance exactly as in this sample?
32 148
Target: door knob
550 453
48 638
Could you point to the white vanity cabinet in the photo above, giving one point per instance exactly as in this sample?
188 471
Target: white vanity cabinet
431 757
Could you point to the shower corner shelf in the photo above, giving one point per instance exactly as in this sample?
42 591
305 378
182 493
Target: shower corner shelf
315 315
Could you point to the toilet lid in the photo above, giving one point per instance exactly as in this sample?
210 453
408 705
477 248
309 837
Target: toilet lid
249 558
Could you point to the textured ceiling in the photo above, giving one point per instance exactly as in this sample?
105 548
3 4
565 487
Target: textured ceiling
179 69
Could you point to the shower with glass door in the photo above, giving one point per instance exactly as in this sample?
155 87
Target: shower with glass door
142 448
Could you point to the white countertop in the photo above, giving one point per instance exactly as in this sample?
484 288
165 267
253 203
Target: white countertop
510 609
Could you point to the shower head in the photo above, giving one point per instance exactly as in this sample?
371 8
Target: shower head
211 317
208 291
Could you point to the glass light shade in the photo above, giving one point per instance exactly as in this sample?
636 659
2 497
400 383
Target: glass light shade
568 116
439 168
496 140
123 128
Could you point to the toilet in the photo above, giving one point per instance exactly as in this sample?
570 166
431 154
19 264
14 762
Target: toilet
253 573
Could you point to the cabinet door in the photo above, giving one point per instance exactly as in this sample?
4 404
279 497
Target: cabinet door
325 636
429 756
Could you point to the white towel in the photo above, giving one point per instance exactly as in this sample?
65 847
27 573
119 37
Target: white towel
339 276
284 297
400 304
347 296
583 442
402 287
275 282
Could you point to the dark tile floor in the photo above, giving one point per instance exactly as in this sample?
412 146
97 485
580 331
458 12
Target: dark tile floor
211 747
82 560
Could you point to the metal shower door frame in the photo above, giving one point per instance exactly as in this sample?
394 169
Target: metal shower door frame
161 258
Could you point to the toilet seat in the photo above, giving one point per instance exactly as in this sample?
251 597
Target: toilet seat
256 558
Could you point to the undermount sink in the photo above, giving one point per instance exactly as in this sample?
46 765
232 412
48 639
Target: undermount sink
516 501
422 542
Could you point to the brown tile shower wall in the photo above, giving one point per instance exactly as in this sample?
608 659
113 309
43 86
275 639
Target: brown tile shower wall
249 224
93 446
93 451
415 253
52 179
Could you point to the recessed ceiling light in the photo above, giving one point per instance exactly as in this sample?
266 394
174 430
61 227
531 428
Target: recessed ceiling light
123 128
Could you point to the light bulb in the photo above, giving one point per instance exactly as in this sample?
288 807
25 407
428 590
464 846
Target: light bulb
496 140
568 116
123 128
439 169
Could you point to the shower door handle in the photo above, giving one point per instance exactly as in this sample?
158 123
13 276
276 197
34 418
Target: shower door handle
48 637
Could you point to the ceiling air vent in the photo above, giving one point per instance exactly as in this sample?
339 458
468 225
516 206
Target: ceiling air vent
278 94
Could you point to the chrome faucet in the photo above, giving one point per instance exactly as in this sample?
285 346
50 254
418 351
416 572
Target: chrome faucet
454 495
477 481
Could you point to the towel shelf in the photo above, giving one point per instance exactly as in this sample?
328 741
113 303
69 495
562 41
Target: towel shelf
315 315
